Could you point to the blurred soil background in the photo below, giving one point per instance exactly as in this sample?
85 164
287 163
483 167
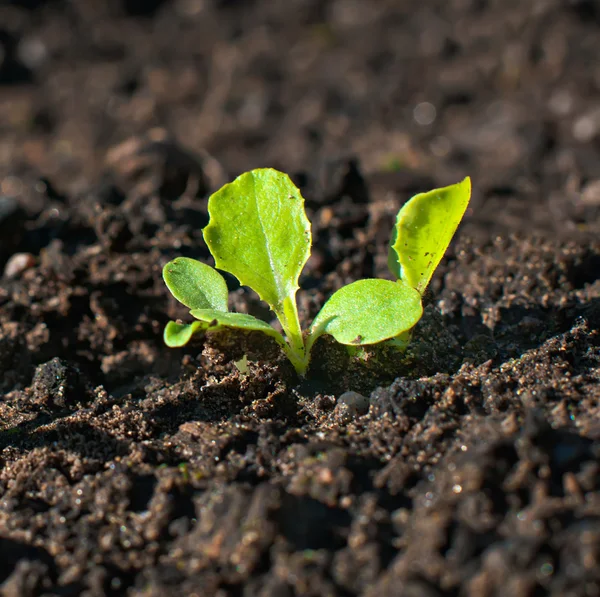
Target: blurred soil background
468 467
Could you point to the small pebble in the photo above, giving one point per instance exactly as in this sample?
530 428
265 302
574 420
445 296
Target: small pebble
351 405
424 113
590 193
586 127
17 264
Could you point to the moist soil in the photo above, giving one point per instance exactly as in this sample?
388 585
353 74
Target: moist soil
467 466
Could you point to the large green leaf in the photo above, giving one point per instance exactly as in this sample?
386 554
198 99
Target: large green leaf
195 284
367 312
215 320
258 232
424 228
179 334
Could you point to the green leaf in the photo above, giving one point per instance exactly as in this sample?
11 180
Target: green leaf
401 341
179 334
195 284
215 320
424 228
258 232
367 312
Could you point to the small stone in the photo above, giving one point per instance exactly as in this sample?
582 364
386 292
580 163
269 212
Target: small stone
32 52
355 401
424 113
561 102
17 264
586 127
351 405
590 194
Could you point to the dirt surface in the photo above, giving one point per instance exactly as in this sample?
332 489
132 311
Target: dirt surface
468 467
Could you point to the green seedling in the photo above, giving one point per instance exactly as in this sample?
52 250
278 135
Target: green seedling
258 231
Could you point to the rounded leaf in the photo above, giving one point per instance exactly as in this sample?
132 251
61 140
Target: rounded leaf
195 284
368 311
424 228
179 334
259 232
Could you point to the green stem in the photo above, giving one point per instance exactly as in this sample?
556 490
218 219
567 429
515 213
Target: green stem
300 362
288 317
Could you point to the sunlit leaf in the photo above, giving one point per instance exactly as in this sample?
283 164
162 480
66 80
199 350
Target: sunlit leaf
424 228
179 334
195 284
368 311
258 232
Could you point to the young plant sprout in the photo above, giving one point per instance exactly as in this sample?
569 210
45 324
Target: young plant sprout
258 231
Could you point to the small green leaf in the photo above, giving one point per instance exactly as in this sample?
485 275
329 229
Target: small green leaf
424 228
195 284
367 312
258 232
401 341
179 334
215 320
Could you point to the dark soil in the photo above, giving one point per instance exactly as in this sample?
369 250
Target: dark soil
469 467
